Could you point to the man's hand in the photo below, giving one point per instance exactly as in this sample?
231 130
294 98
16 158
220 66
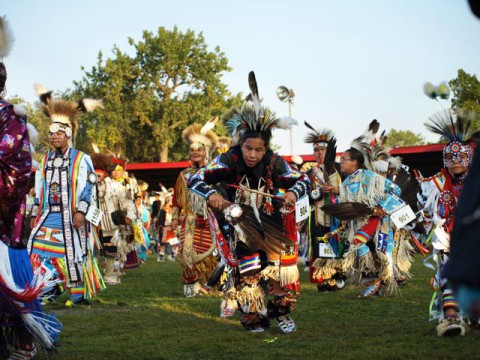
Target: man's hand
378 212
78 220
290 198
329 189
215 201
33 222
326 189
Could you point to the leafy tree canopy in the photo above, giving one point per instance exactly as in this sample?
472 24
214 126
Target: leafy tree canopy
171 81
403 138
466 94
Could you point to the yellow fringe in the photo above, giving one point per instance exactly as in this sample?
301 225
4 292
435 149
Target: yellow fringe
387 273
181 191
349 259
201 270
366 263
271 272
289 275
252 299
324 268
404 258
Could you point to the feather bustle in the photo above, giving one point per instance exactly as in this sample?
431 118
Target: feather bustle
6 37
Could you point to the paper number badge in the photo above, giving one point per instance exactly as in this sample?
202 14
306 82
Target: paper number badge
302 209
403 216
325 250
94 215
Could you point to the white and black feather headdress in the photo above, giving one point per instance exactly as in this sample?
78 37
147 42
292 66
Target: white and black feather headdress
317 136
65 112
452 125
202 134
364 143
253 116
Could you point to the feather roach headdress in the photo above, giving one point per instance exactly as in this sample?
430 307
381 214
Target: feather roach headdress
6 44
364 143
253 117
456 127
64 113
198 135
117 158
224 143
452 125
103 162
318 137
380 155
232 121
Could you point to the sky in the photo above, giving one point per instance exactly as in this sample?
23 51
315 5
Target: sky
348 61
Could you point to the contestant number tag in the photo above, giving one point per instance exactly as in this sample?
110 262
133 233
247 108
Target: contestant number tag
325 250
94 215
302 209
403 216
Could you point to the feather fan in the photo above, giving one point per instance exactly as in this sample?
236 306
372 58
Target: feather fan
217 274
409 187
261 231
348 210
330 155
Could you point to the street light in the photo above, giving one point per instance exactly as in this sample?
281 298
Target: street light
286 95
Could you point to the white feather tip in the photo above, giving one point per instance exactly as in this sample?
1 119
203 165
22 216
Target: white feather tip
32 133
92 104
6 37
286 123
95 148
19 110
209 125
40 89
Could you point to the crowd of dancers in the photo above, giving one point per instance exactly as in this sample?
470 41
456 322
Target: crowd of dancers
236 221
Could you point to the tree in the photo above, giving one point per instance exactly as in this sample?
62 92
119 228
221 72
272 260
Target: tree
403 138
171 81
466 94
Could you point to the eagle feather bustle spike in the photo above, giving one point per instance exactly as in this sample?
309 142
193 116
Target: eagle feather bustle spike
286 123
209 125
89 105
95 148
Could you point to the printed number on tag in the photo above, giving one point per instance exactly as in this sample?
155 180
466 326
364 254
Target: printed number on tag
325 250
302 209
94 215
403 216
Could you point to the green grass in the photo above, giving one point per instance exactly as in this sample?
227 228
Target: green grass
147 317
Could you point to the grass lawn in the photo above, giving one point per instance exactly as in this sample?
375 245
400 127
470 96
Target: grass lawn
147 317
